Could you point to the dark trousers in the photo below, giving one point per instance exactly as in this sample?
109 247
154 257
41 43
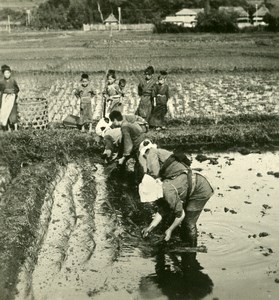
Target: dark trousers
189 232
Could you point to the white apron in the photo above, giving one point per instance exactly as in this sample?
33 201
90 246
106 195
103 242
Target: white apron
8 101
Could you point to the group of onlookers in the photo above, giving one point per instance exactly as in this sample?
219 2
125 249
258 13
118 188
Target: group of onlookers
153 92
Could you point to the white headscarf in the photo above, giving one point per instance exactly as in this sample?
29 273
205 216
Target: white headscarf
146 145
150 189
102 126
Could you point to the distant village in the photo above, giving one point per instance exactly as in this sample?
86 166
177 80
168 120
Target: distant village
186 17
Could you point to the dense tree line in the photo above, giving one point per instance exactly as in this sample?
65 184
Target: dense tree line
16 16
71 14
67 14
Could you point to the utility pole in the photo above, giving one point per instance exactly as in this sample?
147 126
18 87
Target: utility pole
119 18
9 24
28 19
256 14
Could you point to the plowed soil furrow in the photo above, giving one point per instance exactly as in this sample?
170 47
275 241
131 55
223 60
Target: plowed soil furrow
81 254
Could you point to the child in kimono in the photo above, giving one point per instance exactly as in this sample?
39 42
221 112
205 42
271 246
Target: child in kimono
8 94
145 89
113 94
160 94
85 93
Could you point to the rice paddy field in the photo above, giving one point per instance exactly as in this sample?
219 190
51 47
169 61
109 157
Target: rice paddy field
70 228
208 75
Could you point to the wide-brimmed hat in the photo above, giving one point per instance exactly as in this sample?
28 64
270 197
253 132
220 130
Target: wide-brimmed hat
150 189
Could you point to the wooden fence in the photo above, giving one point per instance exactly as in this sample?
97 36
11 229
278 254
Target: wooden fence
133 27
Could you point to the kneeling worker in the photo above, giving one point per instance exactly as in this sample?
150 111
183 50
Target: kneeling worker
133 133
183 191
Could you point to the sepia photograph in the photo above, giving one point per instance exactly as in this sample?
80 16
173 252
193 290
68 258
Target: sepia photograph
139 149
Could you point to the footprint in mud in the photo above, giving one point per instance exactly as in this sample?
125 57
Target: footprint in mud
265 251
235 187
265 208
232 211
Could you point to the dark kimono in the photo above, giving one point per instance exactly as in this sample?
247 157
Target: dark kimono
161 94
145 89
8 108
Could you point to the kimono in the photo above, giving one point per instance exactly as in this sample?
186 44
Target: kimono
85 93
113 96
8 108
145 89
161 94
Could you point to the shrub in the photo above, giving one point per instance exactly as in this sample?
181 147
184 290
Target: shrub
216 21
273 23
171 28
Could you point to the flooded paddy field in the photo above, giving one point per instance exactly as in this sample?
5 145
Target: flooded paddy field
89 245
70 231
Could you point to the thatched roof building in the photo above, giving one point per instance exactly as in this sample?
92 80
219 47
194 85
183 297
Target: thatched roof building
111 20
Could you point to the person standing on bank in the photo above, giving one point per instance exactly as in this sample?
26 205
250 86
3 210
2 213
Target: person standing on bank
85 93
8 93
161 96
180 191
145 89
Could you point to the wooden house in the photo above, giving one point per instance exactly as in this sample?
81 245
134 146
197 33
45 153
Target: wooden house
185 17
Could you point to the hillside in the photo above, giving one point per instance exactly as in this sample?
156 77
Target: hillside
19 4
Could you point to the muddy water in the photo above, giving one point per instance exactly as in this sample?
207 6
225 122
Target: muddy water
87 256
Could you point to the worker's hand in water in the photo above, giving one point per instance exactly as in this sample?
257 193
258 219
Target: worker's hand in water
145 232
121 160
168 233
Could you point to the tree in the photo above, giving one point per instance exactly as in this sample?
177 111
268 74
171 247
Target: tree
78 14
216 21
273 23
17 16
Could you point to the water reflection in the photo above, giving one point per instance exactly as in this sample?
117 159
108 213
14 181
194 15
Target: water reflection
177 277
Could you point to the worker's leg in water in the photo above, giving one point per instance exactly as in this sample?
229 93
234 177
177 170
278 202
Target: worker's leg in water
193 208
189 232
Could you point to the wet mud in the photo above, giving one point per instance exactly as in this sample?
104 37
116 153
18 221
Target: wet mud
90 245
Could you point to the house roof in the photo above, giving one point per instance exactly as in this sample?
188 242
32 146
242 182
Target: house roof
186 12
238 10
261 12
179 19
111 19
197 10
